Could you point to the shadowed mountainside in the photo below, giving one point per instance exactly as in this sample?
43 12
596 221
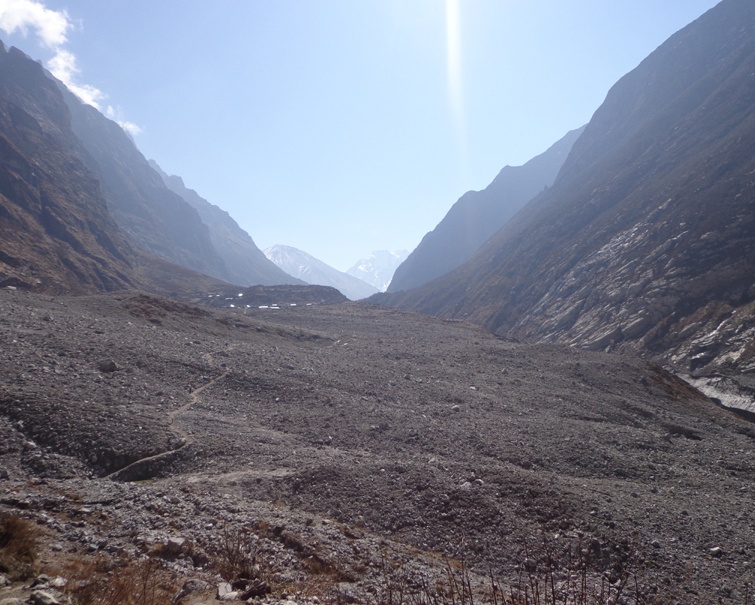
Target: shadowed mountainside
646 241
81 210
245 263
478 215
154 218
55 229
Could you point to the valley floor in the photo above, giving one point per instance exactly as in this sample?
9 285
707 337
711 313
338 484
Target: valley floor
357 448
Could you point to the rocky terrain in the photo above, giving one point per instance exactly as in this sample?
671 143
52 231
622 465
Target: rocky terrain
358 452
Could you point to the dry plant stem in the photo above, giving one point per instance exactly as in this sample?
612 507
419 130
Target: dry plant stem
18 546
237 557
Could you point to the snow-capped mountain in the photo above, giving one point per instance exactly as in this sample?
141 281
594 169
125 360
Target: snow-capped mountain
378 268
307 268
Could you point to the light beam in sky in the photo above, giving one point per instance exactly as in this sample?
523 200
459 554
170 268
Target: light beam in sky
454 79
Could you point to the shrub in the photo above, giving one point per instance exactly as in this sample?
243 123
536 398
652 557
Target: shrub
237 556
122 582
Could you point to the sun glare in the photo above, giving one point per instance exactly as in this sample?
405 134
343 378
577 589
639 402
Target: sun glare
454 74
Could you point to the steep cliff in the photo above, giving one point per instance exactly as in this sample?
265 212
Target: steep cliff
154 218
56 233
245 263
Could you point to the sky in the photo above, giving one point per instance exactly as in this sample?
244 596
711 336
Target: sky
341 127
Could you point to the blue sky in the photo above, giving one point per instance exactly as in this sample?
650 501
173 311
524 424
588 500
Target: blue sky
343 126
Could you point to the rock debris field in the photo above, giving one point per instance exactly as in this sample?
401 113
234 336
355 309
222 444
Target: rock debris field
351 449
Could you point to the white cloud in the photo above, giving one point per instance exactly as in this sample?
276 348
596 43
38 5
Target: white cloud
51 28
63 67
22 15
115 115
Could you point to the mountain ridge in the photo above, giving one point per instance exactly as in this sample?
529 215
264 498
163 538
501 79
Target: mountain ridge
82 211
478 215
154 218
245 263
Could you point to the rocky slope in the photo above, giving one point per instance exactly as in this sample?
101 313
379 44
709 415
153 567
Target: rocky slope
646 241
478 215
55 229
245 263
311 270
57 232
356 447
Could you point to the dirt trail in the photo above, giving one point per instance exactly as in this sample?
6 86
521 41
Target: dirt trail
186 438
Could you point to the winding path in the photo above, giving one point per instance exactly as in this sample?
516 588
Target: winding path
179 432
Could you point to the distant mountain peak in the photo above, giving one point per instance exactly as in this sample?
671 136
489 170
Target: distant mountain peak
378 267
311 270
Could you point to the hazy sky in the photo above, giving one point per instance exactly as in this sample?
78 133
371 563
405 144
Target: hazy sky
343 126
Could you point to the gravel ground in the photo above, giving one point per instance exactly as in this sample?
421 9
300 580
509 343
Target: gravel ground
340 433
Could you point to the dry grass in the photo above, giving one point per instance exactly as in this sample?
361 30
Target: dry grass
543 579
120 582
18 547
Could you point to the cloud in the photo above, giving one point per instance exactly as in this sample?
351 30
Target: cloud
63 67
115 115
51 28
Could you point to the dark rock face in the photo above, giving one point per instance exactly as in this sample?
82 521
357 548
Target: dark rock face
55 230
478 215
646 241
245 263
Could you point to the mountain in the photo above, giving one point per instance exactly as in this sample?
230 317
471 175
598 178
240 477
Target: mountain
646 240
245 264
158 213
477 215
56 233
378 268
57 202
313 271
154 218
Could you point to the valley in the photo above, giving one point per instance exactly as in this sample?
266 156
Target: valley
552 401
